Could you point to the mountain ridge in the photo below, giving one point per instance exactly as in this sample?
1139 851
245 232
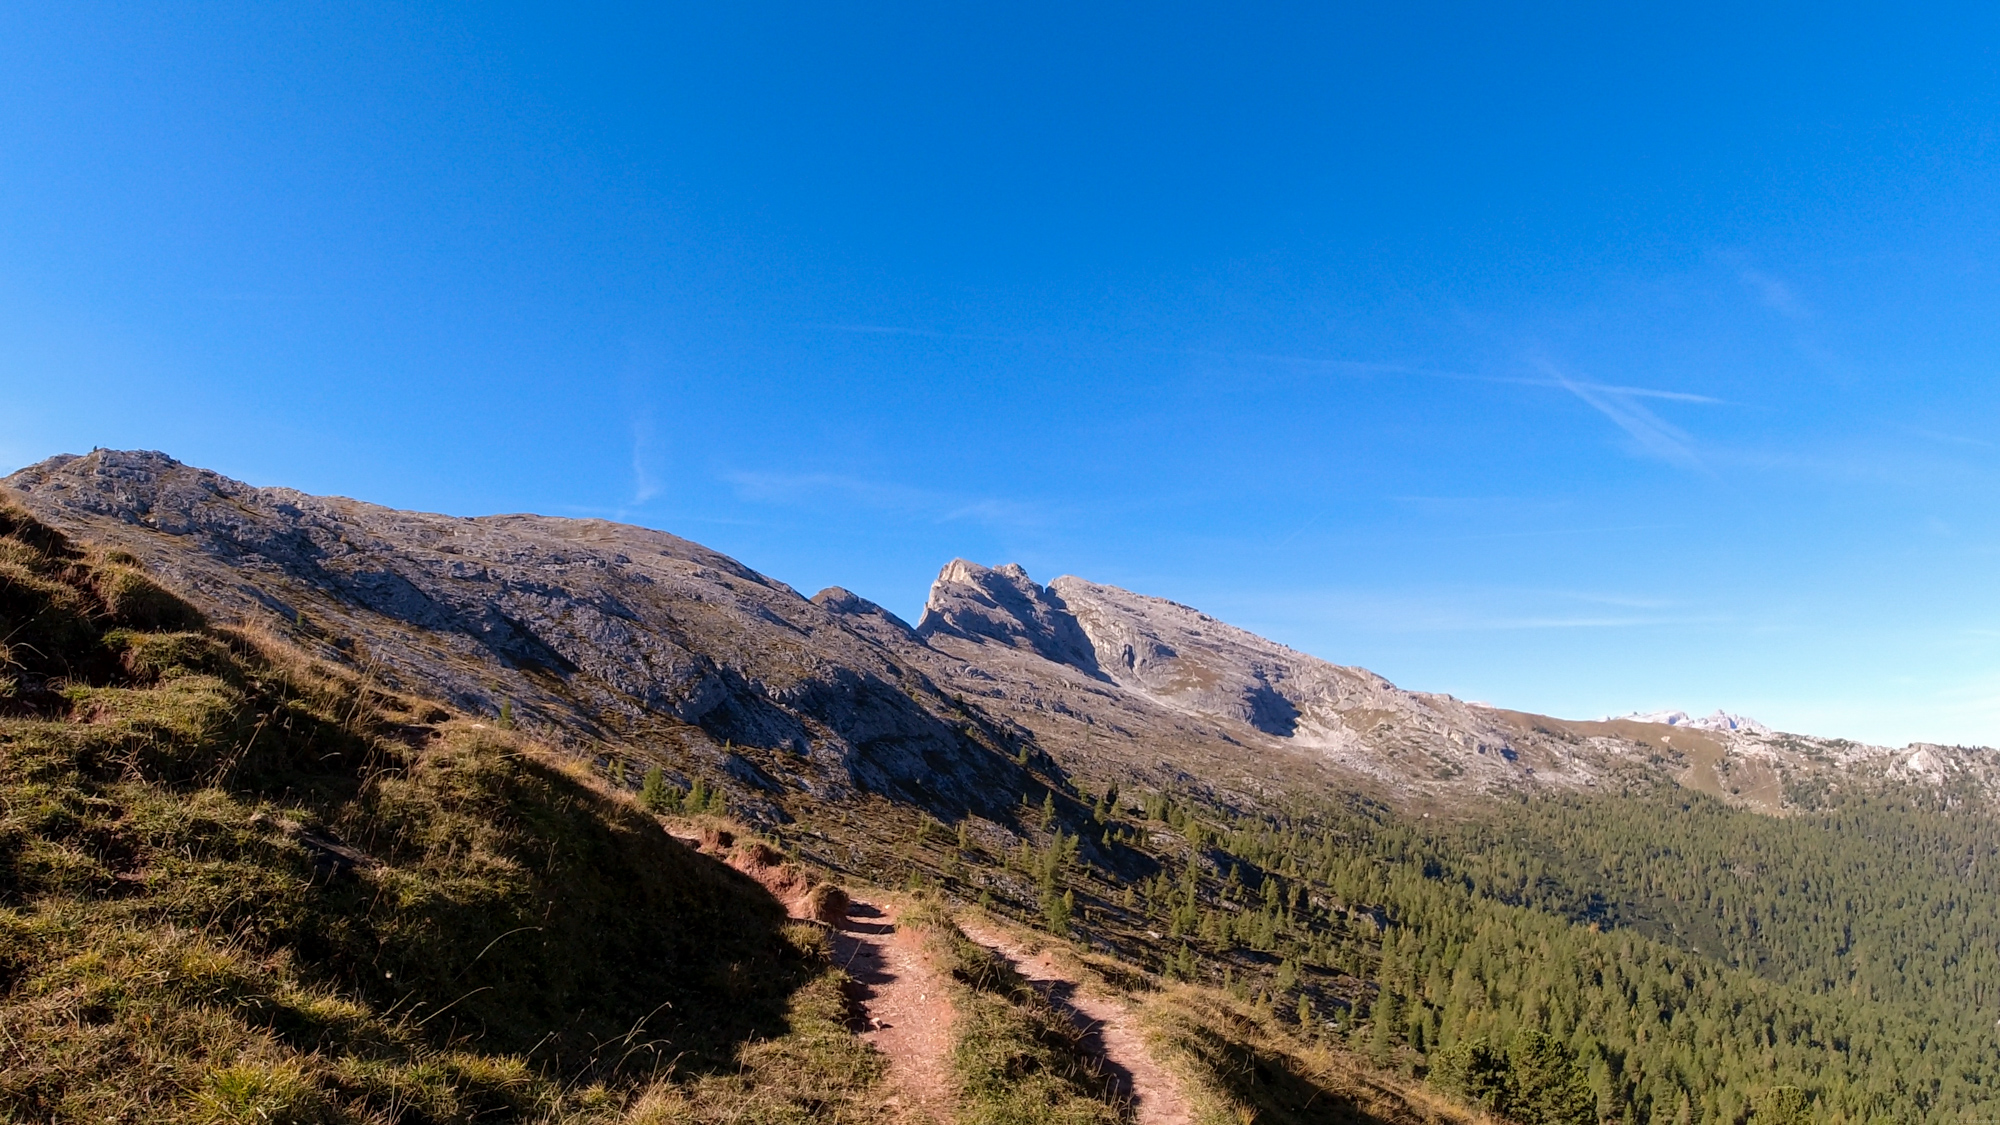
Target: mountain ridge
592 630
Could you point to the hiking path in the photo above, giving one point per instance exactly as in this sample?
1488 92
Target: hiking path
904 1007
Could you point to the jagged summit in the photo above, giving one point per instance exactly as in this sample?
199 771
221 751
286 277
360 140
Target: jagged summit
1003 604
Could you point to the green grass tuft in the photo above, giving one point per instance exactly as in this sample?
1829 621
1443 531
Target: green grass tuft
1017 1060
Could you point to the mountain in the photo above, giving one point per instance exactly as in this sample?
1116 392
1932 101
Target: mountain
597 633
325 811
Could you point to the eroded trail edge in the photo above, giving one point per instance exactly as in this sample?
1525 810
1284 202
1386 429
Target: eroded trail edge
1111 1031
905 1009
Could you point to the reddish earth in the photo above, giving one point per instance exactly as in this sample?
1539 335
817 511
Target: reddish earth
905 1011
1110 1030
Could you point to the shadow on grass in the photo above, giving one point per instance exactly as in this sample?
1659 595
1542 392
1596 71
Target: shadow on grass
434 882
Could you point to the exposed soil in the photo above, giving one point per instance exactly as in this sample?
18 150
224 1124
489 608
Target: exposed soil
903 1008
1111 1031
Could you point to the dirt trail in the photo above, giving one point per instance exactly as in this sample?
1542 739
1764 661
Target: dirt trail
1110 1030
905 1009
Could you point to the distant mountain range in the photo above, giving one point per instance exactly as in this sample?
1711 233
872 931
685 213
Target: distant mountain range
592 632
1720 721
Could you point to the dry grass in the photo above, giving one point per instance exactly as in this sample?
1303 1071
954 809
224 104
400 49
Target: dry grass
1016 1059
238 885
1241 1063
818 1072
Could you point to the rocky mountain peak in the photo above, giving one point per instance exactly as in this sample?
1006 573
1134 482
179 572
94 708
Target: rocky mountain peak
864 616
1003 605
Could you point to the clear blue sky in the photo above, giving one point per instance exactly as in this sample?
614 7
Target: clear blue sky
1581 359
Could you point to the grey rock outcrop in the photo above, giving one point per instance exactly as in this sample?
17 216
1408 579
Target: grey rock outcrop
1003 604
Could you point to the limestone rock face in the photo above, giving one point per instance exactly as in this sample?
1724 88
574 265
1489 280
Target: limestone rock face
1003 604
1190 662
1186 658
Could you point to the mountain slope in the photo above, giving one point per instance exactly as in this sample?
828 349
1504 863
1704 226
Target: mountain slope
587 632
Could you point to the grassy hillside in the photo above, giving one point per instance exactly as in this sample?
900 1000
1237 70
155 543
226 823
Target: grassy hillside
235 885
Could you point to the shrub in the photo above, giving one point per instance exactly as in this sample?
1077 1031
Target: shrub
827 903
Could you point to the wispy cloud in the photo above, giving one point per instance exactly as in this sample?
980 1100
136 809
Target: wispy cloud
1775 294
1554 380
920 333
919 503
249 297
1358 366
879 330
1653 434
1586 622
1488 611
1948 439
646 482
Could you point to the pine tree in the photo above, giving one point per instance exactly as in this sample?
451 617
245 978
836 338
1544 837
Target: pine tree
1056 910
1782 1105
1549 1088
654 794
1387 1017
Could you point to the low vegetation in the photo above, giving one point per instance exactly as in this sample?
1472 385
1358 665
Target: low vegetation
1241 1061
236 885
1016 1058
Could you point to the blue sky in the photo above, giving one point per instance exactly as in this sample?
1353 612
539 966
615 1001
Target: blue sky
1574 359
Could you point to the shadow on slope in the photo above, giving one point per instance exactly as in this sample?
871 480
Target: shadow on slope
236 884
1261 1070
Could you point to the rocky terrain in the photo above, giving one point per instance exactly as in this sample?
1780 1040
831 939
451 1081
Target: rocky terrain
589 633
